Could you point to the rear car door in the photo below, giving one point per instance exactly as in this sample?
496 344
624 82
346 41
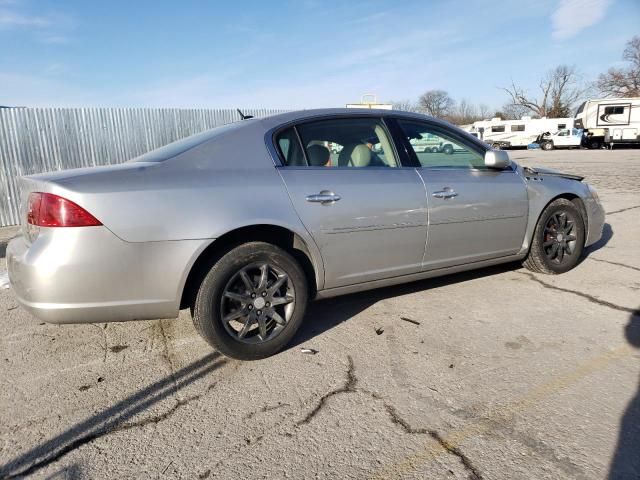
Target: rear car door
475 213
365 211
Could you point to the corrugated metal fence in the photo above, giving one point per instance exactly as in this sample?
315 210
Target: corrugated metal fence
36 140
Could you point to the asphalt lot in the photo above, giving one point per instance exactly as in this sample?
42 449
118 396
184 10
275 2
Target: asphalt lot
502 374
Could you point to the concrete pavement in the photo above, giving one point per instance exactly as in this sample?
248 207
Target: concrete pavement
503 374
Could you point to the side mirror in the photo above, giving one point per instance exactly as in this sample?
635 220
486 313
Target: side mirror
496 159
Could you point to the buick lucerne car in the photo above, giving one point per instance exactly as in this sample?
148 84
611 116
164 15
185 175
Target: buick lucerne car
245 223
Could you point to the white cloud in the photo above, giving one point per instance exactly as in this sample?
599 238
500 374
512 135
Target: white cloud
573 16
9 19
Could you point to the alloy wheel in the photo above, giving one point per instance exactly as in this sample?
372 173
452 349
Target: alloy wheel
559 238
257 303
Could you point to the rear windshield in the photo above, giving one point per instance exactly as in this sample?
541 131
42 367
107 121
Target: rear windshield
178 147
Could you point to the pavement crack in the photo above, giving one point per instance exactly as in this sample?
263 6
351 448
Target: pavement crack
266 408
614 263
586 296
622 210
474 473
163 416
166 355
105 343
349 386
86 439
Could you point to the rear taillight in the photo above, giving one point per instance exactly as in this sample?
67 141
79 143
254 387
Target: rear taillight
49 210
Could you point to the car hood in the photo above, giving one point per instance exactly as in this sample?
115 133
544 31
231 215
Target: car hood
538 171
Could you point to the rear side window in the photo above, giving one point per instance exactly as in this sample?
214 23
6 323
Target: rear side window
344 142
497 128
517 128
290 148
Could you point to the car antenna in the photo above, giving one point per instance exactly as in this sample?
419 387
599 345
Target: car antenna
243 116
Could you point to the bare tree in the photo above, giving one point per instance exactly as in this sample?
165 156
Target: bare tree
623 82
559 89
483 111
463 113
511 111
404 105
436 103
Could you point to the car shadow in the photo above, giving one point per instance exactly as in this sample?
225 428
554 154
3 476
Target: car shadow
323 315
111 419
626 459
607 234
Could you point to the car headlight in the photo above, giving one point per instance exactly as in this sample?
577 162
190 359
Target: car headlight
594 193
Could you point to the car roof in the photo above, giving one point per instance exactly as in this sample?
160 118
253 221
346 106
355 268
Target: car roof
274 121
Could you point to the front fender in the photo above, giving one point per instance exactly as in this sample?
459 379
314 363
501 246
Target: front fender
543 189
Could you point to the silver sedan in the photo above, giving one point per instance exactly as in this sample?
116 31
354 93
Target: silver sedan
243 224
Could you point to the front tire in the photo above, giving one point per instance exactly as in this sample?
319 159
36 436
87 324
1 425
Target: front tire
558 240
548 146
252 301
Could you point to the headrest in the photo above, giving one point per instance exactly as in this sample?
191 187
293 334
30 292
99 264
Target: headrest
361 156
318 155
355 155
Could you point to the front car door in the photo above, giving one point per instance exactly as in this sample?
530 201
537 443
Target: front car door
475 213
366 213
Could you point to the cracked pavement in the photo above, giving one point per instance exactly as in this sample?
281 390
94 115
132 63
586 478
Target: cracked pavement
500 374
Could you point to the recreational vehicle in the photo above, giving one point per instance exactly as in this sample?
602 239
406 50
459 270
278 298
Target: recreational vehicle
516 133
610 121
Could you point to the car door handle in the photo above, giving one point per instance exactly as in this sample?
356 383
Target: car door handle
325 197
446 193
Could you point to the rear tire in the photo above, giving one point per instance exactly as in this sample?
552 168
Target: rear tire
547 146
558 240
246 313
447 149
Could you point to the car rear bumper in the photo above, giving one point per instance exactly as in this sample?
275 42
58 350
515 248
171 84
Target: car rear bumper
88 275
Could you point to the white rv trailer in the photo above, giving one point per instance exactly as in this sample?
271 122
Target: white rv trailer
516 133
610 121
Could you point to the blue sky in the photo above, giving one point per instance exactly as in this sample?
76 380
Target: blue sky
296 54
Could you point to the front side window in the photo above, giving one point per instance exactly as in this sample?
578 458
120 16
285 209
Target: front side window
348 142
517 128
434 148
497 128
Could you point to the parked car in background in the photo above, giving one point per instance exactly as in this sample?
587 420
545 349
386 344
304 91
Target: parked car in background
245 223
565 138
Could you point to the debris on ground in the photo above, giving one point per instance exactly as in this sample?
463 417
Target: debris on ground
379 330
451 365
410 320
118 348
308 351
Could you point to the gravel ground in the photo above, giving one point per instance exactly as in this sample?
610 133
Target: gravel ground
494 374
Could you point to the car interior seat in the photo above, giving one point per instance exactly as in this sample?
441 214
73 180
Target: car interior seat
318 155
355 155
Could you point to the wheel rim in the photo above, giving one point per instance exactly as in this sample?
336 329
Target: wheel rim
257 303
559 238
